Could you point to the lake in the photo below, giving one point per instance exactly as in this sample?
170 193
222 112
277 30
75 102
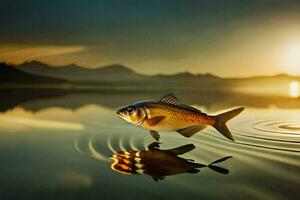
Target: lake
60 144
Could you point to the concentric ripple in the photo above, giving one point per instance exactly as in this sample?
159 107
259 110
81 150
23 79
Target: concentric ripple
98 149
286 128
94 146
276 134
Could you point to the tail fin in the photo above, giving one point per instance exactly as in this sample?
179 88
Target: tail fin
221 119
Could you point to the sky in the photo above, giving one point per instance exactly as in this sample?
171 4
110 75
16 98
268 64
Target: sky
228 38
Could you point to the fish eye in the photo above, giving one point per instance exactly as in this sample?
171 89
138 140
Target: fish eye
129 109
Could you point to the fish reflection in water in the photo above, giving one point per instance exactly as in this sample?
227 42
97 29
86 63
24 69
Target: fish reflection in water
159 163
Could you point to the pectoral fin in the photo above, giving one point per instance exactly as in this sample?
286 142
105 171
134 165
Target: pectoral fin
155 120
189 131
155 135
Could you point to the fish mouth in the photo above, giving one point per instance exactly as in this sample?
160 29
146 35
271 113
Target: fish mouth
120 114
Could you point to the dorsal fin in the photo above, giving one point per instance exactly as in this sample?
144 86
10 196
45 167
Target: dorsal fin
170 98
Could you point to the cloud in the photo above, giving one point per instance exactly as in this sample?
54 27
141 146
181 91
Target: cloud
235 38
20 53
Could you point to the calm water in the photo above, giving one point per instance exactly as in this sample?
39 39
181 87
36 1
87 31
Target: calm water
61 145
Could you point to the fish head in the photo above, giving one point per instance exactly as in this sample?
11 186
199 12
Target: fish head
132 114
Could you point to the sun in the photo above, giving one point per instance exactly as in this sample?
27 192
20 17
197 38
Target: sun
292 59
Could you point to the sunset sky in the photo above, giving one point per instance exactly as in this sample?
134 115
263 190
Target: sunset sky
227 38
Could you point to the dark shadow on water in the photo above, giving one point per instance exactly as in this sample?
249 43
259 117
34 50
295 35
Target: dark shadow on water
159 163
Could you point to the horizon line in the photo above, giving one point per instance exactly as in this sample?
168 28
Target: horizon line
176 73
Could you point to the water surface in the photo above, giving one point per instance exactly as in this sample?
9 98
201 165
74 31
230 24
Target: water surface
61 145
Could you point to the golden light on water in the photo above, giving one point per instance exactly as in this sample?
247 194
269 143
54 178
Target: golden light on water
294 89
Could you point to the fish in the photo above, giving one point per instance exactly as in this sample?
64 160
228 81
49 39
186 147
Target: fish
159 163
169 114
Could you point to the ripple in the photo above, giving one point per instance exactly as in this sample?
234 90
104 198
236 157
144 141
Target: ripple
277 135
279 127
266 147
293 127
273 134
87 145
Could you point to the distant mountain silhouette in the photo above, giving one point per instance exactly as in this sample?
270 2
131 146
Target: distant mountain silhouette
74 72
263 81
119 75
10 74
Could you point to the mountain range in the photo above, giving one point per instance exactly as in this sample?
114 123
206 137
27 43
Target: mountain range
10 74
120 75
73 72
115 75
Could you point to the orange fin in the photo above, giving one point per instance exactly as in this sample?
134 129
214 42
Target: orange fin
189 131
155 120
221 120
170 98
